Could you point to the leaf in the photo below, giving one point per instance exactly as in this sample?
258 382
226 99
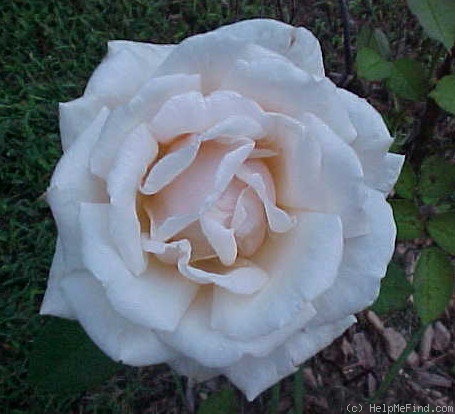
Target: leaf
437 180
222 402
442 229
408 79
371 65
64 360
407 182
374 39
444 93
437 18
433 284
395 291
407 217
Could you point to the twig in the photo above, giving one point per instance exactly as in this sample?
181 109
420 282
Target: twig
348 66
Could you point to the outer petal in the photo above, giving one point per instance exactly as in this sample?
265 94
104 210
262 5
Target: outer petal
373 140
300 267
255 375
75 116
127 66
157 298
365 261
54 303
218 350
136 152
116 336
211 55
279 86
142 107
295 43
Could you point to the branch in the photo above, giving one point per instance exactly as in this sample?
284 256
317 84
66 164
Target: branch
348 62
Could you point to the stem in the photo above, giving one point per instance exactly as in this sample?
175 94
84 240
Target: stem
275 401
299 392
346 43
397 365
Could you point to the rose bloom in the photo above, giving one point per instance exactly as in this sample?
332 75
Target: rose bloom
220 205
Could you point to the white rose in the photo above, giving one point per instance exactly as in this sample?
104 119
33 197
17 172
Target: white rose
220 205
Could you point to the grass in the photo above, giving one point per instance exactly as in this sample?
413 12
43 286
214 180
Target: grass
49 49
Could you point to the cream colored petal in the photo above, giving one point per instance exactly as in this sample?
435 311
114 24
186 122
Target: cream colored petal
136 152
365 260
118 337
381 169
127 66
75 116
141 108
156 299
255 174
302 264
254 375
181 114
54 303
295 43
170 167
244 278
281 87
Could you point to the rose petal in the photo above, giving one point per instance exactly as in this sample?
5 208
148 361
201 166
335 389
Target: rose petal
142 107
364 263
256 175
249 222
301 263
116 336
72 171
342 182
254 375
181 114
381 169
295 43
244 279
124 70
54 303
210 55
218 350
75 116
157 298
280 87
135 153
170 166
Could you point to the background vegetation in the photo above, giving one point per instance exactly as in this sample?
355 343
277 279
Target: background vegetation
380 50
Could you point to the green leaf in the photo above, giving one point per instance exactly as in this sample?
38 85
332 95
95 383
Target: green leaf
395 291
371 65
437 180
437 18
433 284
408 79
222 402
407 182
374 39
442 229
407 217
65 361
444 93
